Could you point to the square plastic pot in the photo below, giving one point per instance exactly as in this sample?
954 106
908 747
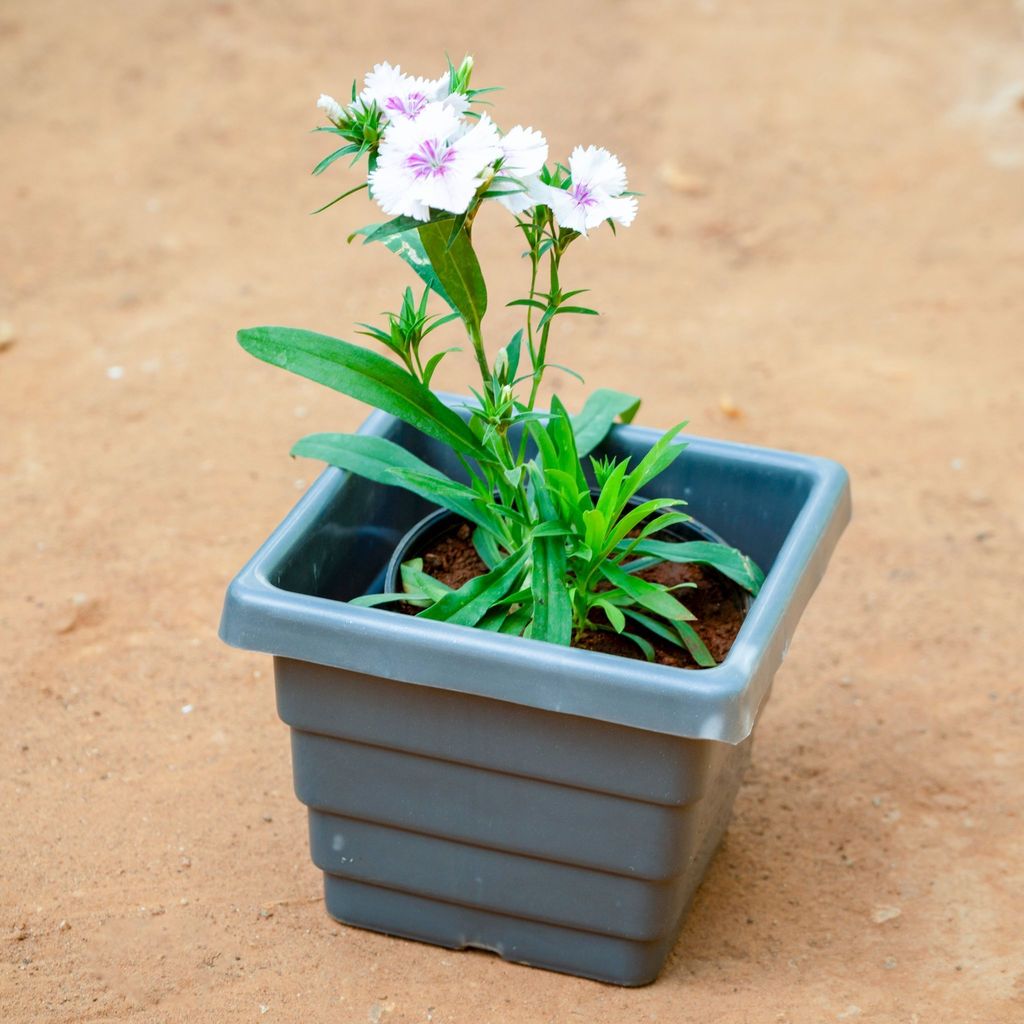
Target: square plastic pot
471 789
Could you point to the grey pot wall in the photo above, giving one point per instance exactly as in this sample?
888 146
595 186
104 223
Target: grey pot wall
468 788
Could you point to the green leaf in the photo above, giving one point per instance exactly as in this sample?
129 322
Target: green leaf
384 462
633 518
643 644
651 596
661 455
695 645
516 622
599 413
407 245
458 270
728 561
453 496
388 229
338 199
336 155
416 581
433 362
615 616
372 600
656 627
468 605
487 547
366 376
552 610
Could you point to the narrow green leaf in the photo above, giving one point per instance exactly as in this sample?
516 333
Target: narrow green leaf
552 610
487 547
615 616
372 600
695 645
661 455
457 269
416 581
643 644
467 605
516 622
434 361
336 155
598 414
728 561
406 244
384 462
338 199
363 375
651 596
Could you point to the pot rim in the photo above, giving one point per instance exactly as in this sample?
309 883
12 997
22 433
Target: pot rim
721 703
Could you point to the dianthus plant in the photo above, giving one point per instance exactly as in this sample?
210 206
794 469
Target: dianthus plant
563 539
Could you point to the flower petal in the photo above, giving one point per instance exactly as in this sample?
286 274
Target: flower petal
597 168
524 152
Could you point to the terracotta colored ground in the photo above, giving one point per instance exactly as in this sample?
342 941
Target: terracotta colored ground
831 245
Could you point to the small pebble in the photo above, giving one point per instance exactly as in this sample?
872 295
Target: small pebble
7 335
186 709
115 372
729 408
889 963
883 912
681 181
63 926
267 818
72 614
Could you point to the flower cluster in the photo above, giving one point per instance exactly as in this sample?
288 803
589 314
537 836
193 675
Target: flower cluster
429 151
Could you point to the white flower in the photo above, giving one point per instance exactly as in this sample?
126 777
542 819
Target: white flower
523 154
434 161
597 181
400 96
331 107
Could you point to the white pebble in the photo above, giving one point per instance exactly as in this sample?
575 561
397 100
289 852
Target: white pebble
115 372
186 709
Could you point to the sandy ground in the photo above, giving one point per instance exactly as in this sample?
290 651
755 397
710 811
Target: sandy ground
831 240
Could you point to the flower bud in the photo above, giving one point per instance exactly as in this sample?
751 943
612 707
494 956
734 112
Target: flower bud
331 107
501 364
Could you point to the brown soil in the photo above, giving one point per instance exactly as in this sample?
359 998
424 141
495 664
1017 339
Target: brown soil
453 560
828 257
716 601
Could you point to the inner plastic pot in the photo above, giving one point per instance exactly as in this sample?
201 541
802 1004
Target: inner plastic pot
440 523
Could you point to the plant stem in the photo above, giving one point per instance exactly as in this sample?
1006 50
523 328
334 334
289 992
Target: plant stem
481 356
553 292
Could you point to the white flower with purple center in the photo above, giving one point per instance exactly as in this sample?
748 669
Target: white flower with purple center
403 97
596 182
524 151
433 162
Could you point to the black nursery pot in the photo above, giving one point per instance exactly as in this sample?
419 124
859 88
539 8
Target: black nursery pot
438 524
472 789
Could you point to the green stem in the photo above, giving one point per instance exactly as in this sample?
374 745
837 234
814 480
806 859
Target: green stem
481 356
553 292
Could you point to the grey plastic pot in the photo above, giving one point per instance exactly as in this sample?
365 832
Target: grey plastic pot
471 789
